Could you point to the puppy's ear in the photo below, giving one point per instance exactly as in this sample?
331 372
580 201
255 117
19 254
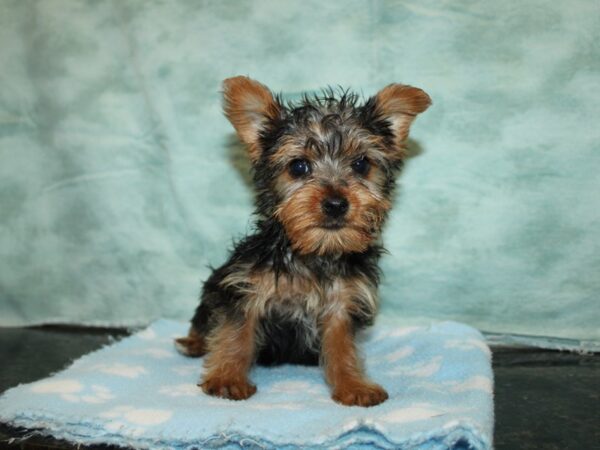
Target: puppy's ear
249 106
399 104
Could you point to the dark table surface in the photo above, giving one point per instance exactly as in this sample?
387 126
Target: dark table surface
543 399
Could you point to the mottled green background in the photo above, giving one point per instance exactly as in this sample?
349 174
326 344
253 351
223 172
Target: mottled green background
120 180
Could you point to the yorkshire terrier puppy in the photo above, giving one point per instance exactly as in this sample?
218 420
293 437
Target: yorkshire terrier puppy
299 288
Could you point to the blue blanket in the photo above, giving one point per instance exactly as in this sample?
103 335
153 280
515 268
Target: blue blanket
140 392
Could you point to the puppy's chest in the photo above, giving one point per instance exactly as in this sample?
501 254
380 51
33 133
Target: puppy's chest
294 296
301 294
309 298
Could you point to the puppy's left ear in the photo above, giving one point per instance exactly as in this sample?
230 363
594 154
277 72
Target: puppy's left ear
249 106
399 104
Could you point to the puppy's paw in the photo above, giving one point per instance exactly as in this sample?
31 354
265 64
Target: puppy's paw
226 388
359 394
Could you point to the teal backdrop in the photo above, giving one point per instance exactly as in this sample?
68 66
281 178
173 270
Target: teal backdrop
121 181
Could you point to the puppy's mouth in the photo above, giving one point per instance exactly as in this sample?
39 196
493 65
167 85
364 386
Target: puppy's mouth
333 225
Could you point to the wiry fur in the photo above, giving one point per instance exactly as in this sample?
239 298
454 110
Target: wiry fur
298 288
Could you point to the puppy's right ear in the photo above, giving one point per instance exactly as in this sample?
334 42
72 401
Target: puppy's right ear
249 106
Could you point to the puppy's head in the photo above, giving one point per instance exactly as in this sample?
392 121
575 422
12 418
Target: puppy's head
324 167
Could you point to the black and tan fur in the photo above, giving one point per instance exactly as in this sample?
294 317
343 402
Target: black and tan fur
299 287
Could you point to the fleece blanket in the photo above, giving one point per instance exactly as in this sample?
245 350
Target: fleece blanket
121 181
140 392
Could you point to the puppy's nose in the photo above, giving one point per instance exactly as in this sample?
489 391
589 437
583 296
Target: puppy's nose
335 207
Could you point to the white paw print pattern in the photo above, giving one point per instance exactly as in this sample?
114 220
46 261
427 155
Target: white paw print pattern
395 356
134 421
148 334
401 353
396 333
276 405
421 370
475 383
180 390
74 391
413 413
155 353
293 387
468 344
311 392
120 370
186 370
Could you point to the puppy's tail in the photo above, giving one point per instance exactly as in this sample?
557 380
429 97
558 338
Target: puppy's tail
193 345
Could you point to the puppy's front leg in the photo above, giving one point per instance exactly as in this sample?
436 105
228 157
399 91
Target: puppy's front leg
343 369
231 353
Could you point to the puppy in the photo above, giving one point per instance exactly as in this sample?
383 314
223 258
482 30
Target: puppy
299 288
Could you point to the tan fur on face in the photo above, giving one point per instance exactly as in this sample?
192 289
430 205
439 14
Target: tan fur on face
300 210
301 217
248 105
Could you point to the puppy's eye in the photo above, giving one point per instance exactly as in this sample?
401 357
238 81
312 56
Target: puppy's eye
361 165
299 168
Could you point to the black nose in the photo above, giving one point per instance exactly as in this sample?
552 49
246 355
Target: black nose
335 207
